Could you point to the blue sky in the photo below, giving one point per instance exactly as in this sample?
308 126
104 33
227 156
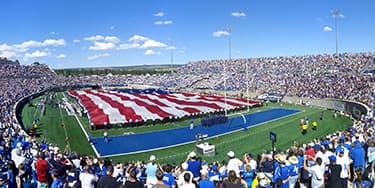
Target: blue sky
92 33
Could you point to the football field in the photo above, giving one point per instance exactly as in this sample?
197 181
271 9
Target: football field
64 130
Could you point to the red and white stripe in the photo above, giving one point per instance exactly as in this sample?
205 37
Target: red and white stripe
113 107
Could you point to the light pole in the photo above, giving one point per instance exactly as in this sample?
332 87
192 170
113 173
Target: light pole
171 48
229 30
336 13
247 86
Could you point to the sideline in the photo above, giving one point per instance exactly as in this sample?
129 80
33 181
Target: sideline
86 135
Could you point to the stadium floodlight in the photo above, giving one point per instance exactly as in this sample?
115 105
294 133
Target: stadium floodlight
336 13
247 86
171 48
229 30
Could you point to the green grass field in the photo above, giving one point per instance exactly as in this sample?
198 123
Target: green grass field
255 140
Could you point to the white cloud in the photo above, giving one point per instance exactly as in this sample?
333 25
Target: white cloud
167 22
128 46
61 56
158 23
76 41
23 47
4 47
36 54
26 45
112 39
151 52
112 28
94 38
220 33
102 46
53 42
8 54
327 28
12 50
159 14
53 33
137 38
98 56
138 41
153 44
238 14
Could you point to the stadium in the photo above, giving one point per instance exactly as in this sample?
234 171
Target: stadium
275 121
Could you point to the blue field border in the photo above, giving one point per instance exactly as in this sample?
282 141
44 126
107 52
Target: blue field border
109 149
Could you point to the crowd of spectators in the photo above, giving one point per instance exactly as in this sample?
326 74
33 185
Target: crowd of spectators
312 76
334 160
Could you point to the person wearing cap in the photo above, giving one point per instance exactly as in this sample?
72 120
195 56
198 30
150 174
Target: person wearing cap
343 160
105 135
194 165
293 170
213 172
234 163
182 171
281 176
205 182
334 170
151 168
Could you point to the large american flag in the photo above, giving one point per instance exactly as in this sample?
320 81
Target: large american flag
114 107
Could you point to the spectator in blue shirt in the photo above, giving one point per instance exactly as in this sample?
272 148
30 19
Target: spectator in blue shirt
194 165
281 176
168 178
204 182
57 183
358 155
